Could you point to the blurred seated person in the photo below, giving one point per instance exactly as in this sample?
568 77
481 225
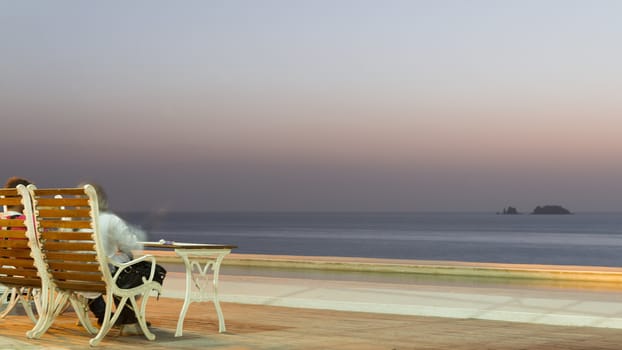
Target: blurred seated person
119 239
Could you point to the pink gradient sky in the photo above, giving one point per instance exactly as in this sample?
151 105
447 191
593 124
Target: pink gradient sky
317 105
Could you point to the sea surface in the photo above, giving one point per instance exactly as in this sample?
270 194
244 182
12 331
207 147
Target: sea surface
593 239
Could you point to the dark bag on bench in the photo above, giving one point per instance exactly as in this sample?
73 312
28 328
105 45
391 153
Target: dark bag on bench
132 276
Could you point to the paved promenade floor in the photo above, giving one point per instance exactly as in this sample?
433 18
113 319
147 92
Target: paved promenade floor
286 306
272 327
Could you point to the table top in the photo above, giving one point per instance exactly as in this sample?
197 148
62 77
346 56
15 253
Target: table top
184 245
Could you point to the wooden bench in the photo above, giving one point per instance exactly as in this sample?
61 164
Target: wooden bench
74 263
18 275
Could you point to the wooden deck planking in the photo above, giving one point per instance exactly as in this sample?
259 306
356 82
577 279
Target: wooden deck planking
270 327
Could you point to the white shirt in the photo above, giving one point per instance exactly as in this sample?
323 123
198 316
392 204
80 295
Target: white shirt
119 238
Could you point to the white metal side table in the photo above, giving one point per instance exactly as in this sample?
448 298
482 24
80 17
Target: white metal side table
199 259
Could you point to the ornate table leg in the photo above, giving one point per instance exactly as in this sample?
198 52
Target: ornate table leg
198 264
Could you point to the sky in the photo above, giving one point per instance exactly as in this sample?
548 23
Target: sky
314 105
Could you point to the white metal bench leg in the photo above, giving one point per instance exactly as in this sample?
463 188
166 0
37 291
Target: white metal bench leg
52 307
8 300
26 298
80 307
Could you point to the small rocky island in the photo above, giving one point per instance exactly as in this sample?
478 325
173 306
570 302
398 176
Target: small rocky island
509 211
551 210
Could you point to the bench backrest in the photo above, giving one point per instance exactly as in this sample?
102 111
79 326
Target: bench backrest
17 267
66 221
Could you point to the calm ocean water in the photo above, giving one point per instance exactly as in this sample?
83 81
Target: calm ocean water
579 239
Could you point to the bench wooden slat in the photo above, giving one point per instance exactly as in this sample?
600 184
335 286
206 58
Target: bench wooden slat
68 246
51 192
13 234
71 224
74 266
18 272
21 243
22 263
91 286
13 223
11 200
78 236
70 213
20 281
77 276
62 202
86 256
17 253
